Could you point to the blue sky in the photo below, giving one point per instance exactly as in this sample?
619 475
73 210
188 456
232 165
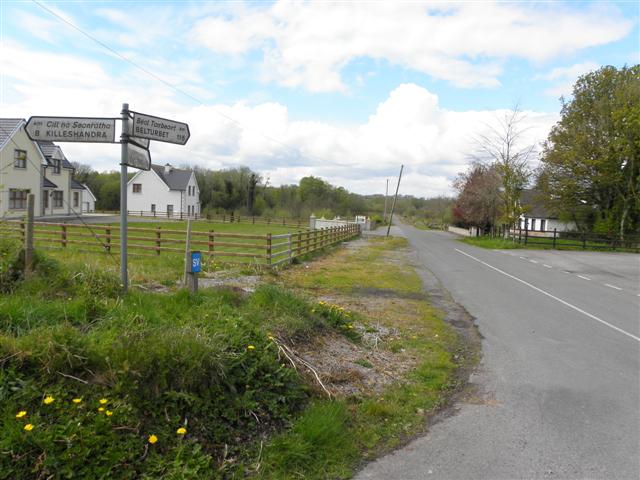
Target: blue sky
346 91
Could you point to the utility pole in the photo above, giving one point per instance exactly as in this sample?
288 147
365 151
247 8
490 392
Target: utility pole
386 194
393 207
124 138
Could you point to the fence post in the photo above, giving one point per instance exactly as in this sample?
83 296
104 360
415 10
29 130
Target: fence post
23 232
107 231
268 249
253 219
63 236
555 233
290 248
28 243
283 221
211 240
158 240
584 240
526 231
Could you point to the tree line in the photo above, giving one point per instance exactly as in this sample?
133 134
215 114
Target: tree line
589 171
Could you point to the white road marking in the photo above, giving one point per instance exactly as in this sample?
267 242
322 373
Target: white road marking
577 309
564 271
533 261
583 277
523 258
546 266
612 286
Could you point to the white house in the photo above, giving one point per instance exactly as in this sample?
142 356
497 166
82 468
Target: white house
88 199
39 168
536 217
164 191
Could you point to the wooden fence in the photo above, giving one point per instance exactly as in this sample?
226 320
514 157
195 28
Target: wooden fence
224 218
571 240
262 249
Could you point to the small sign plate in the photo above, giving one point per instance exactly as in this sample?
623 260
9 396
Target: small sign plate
160 129
72 129
196 262
138 157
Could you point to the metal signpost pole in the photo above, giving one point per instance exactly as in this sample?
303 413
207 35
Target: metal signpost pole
393 206
124 279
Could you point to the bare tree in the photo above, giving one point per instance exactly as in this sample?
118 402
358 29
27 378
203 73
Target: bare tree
502 147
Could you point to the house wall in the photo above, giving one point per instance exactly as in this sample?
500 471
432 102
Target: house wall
63 182
88 202
550 224
191 200
20 178
154 191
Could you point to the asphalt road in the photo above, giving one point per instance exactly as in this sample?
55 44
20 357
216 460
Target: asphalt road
558 388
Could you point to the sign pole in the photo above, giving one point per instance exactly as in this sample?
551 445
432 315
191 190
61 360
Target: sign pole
124 279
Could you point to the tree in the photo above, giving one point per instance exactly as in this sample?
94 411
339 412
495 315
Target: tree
590 167
502 147
478 202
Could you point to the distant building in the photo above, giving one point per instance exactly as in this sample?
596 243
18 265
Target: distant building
164 191
40 168
536 217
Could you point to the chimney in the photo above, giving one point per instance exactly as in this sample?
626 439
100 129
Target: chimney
168 168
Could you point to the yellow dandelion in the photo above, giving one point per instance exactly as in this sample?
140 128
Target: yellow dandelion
270 337
101 409
103 401
48 400
349 327
77 401
108 413
21 413
28 427
251 347
152 439
181 431
313 310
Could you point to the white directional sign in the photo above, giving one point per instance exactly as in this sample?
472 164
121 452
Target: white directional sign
72 129
141 142
160 129
138 157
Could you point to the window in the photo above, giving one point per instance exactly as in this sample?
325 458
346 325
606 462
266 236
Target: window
57 198
543 224
533 224
20 158
76 199
56 166
137 188
153 207
18 199
45 200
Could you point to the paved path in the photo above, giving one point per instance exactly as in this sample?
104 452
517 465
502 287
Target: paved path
559 383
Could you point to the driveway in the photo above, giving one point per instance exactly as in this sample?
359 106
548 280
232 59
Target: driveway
557 393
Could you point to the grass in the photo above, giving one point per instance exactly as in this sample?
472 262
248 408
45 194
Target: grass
165 268
330 439
208 363
542 243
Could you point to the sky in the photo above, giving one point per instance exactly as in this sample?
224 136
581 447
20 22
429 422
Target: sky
344 91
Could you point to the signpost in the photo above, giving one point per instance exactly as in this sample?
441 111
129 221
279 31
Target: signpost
137 131
160 129
72 129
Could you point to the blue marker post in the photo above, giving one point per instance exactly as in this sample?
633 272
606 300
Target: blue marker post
193 268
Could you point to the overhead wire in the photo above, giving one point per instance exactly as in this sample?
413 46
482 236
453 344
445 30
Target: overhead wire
170 85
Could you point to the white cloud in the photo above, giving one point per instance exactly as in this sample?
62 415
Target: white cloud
408 127
566 77
309 43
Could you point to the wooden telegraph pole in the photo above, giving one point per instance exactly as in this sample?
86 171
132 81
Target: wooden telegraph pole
393 207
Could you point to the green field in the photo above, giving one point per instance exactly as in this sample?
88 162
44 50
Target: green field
145 264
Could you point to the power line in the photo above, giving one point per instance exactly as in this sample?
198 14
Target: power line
168 84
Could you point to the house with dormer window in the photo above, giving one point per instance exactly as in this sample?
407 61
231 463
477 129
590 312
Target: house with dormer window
41 168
